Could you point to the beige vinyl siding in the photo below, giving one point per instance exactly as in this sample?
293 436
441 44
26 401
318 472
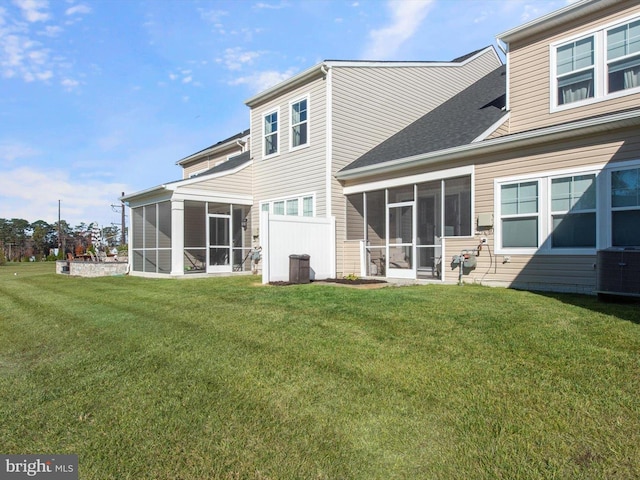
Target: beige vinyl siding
539 271
238 183
371 104
530 74
501 130
206 162
350 263
297 172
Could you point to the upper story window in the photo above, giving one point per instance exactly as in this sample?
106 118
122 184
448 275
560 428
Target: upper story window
623 56
270 132
299 123
605 64
575 69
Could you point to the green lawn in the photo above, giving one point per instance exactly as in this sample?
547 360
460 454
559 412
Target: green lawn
226 378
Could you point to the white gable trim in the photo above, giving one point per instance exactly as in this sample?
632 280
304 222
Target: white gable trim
491 129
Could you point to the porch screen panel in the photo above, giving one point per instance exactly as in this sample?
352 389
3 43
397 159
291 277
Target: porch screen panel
457 207
355 217
164 261
376 231
376 218
137 230
195 236
164 225
429 235
138 261
150 227
195 224
429 213
137 222
151 261
401 194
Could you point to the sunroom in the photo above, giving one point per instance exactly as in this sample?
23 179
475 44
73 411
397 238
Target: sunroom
178 229
402 224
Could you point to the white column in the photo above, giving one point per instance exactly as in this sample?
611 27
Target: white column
177 237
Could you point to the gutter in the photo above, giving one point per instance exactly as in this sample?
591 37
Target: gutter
497 144
294 81
569 12
141 193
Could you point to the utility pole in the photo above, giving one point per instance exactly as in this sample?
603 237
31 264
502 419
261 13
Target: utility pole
123 236
59 237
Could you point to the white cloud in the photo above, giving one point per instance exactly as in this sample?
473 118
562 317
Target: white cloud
69 83
78 10
51 31
10 151
184 75
407 15
262 80
23 57
270 6
212 16
33 194
235 58
32 10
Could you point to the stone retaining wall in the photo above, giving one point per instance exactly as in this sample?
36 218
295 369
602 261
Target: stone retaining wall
92 269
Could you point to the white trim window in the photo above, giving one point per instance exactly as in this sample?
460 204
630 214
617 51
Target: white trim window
603 64
301 206
625 207
554 213
270 133
623 57
299 123
573 211
575 71
519 215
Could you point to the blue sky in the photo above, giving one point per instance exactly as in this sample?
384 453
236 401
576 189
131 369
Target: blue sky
100 97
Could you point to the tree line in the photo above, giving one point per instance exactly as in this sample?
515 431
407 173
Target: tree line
21 240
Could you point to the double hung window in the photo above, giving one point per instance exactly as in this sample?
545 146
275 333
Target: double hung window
573 211
623 56
270 129
576 72
603 64
299 124
625 207
550 214
519 214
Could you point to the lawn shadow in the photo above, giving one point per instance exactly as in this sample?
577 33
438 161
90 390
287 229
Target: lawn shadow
623 307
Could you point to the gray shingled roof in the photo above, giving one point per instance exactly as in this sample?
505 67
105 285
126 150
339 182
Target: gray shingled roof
456 122
230 164
226 140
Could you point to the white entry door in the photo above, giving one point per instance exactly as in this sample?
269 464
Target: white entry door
400 240
219 245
